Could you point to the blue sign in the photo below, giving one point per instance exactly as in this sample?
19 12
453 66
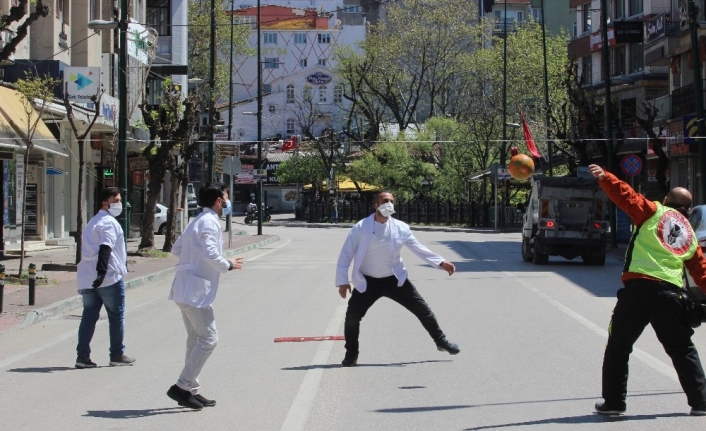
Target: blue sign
631 165
318 78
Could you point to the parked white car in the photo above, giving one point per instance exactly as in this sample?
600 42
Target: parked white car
160 219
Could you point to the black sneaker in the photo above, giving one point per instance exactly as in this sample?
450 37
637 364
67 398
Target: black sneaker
350 360
116 361
698 411
205 401
84 363
184 398
605 409
447 346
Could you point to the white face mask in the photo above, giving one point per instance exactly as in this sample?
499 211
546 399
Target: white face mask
115 209
386 209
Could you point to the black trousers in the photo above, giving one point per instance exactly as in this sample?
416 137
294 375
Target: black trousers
405 295
643 302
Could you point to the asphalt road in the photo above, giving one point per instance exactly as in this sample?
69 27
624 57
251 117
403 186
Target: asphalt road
532 340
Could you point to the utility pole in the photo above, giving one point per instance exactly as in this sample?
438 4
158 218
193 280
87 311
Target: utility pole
124 218
605 62
260 208
546 93
211 87
503 147
699 95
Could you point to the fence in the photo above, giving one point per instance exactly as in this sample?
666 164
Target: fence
421 212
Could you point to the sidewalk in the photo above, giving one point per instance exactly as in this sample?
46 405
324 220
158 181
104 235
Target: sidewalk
60 295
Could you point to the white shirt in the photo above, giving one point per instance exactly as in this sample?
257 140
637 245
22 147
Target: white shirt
102 229
376 261
201 261
357 245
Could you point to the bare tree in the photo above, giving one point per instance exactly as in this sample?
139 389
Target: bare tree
16 14
81 139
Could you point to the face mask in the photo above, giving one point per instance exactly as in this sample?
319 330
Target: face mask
115 209
227 208
386 209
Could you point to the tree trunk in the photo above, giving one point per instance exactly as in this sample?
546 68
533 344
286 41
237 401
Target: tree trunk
24 210
153 189
172 214
79 217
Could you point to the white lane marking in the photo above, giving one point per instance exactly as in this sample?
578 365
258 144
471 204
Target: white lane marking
275 247
58 339
649 360
301 406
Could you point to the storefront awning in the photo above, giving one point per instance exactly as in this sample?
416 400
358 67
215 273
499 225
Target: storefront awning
347 185
13 117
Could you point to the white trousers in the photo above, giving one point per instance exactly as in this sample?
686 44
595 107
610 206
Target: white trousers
201 339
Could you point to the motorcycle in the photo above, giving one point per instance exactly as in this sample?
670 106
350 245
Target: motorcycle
251 215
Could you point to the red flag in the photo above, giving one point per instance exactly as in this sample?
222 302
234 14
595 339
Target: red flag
288 145
528 137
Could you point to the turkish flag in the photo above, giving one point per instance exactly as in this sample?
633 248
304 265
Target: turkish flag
528 137
288 145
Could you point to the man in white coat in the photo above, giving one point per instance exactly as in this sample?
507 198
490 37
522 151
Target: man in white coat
373 245
201 262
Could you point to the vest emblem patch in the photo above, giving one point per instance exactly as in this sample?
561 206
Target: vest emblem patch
674 232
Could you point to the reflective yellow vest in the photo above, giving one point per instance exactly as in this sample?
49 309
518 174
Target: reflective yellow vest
661 245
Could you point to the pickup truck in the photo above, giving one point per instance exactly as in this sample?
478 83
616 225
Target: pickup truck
568 217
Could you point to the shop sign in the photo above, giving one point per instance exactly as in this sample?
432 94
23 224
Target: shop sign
318 78
139 164
628 31
654 28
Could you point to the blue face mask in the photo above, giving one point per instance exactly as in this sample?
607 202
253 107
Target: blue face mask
227 208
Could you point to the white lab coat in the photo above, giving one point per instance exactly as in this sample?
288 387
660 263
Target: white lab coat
357 244
201 261
102 229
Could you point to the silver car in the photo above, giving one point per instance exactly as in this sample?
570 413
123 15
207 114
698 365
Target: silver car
160 219
697 219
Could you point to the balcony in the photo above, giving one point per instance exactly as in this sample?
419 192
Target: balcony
663 105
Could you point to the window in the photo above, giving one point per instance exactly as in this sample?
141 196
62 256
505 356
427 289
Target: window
299 38
62 11
266 88
322 62
270 38
635 7
619 61
159 16
302 63
338 93
618 7
324 37
289 124
520 16
498 15
351 9
290 93
271 63
586 70
586 17
537 15
323 90
637 57
307 93
95 11
245 19
139 7
272 109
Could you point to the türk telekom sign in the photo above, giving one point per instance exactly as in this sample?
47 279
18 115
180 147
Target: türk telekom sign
318 78
597 41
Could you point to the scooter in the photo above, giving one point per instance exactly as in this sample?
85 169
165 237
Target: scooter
251 216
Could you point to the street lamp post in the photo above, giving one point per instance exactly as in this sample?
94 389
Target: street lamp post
259 121
211 87
122 26
605 57
698 95
546 92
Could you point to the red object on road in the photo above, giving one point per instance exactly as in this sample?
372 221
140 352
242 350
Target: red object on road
300 339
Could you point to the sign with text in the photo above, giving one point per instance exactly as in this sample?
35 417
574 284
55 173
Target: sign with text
82 83
654 28
139 164
318 78
628 31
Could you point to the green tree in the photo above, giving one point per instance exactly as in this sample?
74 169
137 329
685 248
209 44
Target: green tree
35 93
304 167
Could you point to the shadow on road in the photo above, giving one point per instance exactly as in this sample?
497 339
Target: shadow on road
422 409
40 369
330 366
594 418
131 414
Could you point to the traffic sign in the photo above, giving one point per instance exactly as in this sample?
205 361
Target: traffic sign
631 165
231 165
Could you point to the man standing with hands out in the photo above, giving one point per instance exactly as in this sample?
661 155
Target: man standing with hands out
373 245
201 261
662 244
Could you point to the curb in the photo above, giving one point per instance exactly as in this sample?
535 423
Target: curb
412 227
76 301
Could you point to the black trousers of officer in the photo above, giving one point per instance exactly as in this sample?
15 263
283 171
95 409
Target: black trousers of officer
643 302
405 295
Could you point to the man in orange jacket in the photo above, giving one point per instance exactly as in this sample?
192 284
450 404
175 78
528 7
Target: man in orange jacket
662 243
